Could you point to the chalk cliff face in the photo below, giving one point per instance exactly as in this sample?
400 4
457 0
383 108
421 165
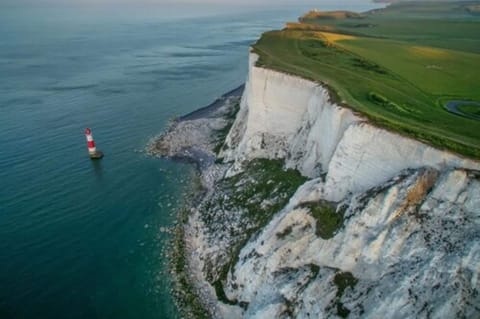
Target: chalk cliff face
412 245
287 117
409 242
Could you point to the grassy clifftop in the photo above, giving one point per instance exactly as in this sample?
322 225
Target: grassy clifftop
398 66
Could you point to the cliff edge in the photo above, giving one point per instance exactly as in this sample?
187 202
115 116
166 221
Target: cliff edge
283 116
405 243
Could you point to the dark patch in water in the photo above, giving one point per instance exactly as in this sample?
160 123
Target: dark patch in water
142 66
193 54
71 88
22 101
204 112
110 91
225 46
186 71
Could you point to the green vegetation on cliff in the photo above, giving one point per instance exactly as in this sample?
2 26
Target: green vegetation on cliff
256 194
398 66
328 219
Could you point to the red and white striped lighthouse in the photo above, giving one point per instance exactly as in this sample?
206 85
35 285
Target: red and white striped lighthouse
92 149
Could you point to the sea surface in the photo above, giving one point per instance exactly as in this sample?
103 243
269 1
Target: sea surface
82 238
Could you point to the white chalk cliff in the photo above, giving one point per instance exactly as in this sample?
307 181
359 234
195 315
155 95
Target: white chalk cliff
410 234
283 116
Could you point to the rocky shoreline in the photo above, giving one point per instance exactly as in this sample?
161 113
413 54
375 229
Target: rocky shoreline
223 212
196 138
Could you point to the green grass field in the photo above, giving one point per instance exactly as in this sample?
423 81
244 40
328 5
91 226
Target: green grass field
470 109
397 66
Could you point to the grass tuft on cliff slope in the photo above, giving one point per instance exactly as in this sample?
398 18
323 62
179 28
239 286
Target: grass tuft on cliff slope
255 195
398 66
328 219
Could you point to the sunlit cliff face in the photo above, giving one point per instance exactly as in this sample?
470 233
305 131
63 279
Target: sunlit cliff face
407 243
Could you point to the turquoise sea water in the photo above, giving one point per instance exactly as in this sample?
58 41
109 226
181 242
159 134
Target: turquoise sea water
82 239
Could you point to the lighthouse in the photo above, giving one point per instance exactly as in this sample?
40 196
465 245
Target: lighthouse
92 150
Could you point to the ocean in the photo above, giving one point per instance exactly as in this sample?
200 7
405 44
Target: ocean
87 239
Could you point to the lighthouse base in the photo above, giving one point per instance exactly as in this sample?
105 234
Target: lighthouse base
96 155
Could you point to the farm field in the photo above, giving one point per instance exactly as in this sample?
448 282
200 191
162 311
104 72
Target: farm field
397 66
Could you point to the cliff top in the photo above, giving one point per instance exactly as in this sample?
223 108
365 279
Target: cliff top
316 14
411 67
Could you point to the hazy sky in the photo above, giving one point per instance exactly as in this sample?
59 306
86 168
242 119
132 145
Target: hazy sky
219 2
